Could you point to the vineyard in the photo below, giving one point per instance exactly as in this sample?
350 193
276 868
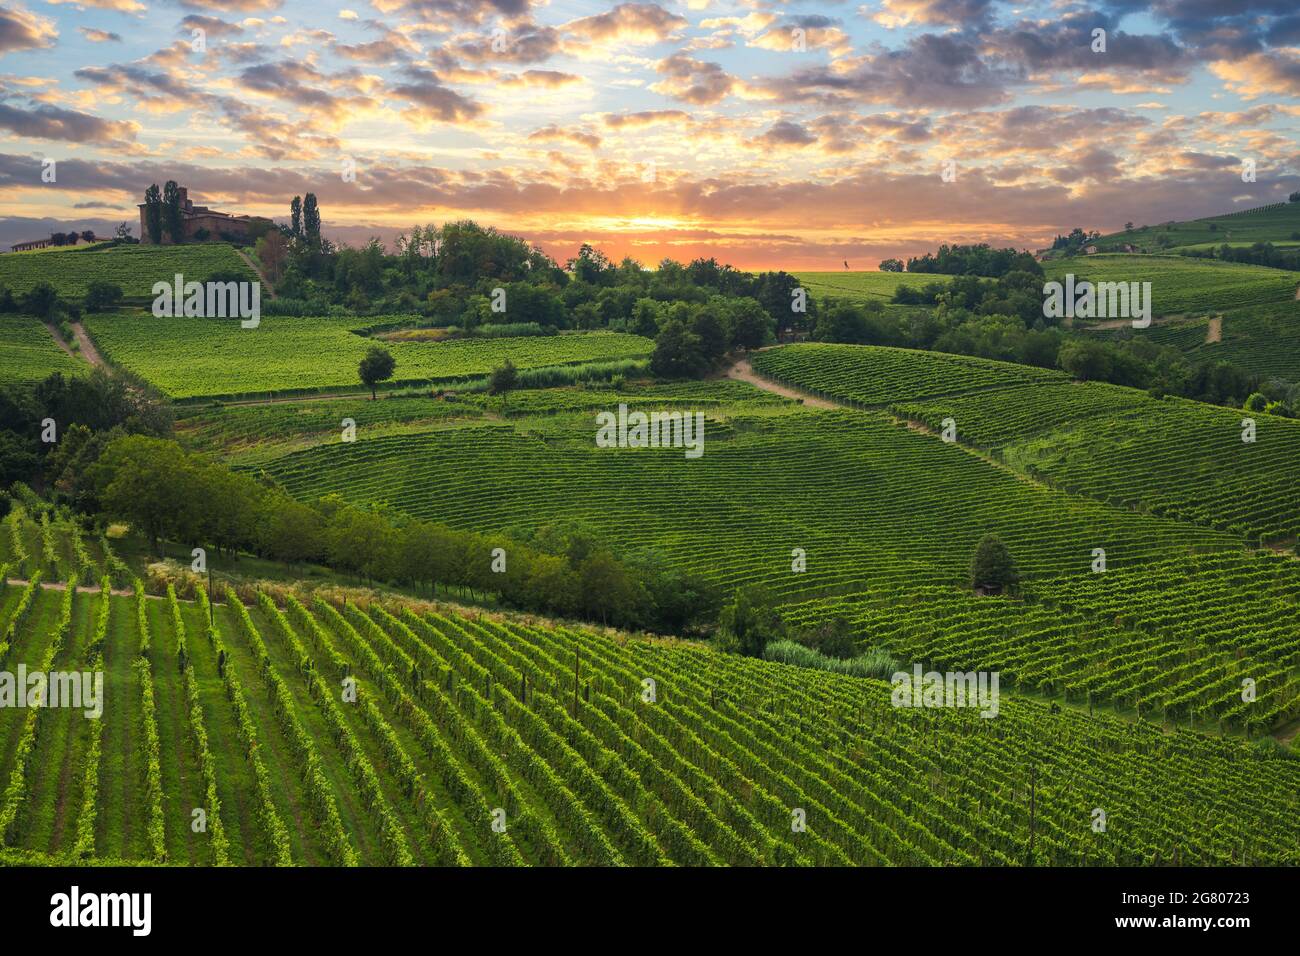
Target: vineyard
30 352
134 268
1181 285
482 740
193 357
878 376
864 286
1168 457
1274 222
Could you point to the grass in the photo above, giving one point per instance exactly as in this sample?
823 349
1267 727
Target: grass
190 358
30 352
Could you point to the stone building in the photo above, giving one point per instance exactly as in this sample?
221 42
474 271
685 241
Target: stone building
212 223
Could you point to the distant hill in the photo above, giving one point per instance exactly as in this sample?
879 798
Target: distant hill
1278 223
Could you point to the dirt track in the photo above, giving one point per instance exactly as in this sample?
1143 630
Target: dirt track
742 371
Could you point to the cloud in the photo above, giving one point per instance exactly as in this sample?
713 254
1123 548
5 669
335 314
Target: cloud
693 81
44 121
944 72
627 23
23 30
432 102
551 134
785 133
121 6
464 11
99 36
901 13
212 26
232 6
644 118
1262 74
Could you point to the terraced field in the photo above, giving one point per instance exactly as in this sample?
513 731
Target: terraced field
864 286
1182 285
193 357
30 352
468 745
878 376
1277 223
1167 457
134 268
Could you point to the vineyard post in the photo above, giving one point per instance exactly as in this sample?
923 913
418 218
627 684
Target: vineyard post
211 612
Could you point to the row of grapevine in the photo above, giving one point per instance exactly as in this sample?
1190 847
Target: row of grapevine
320 796
268 815
199 733
84 847
396 851
11 802
156 826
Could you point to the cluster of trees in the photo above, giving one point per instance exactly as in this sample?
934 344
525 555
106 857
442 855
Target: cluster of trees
1003 319
451 274
87 412
42 300
71 238
980 259
1259 254
172 494
1077 238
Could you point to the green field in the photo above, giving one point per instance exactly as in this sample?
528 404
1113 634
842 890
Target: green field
193 357
30 352
1183 286
135 268
864 286
1277 223
443 742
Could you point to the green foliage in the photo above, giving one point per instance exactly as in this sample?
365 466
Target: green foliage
376 366
992 569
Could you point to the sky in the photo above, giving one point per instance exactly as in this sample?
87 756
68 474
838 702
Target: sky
795 135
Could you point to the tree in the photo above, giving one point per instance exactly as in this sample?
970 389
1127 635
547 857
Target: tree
1257 402
1128 227
311 222
606 589
376 367
503 380
88 235
750 622
295 217
101 295
148 482
1294 197
891 265
1086 361
272 252
677 352
172 211
711 330
153 216
751 327
992 570
41 300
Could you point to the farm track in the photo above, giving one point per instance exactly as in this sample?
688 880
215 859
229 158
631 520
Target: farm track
87 346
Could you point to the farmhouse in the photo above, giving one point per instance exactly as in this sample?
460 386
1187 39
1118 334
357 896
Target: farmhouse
200 222
72 240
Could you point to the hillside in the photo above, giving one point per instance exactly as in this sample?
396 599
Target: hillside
135 268
491 741
1278 223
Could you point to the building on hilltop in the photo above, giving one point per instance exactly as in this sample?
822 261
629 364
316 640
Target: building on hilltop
73 239
199 223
